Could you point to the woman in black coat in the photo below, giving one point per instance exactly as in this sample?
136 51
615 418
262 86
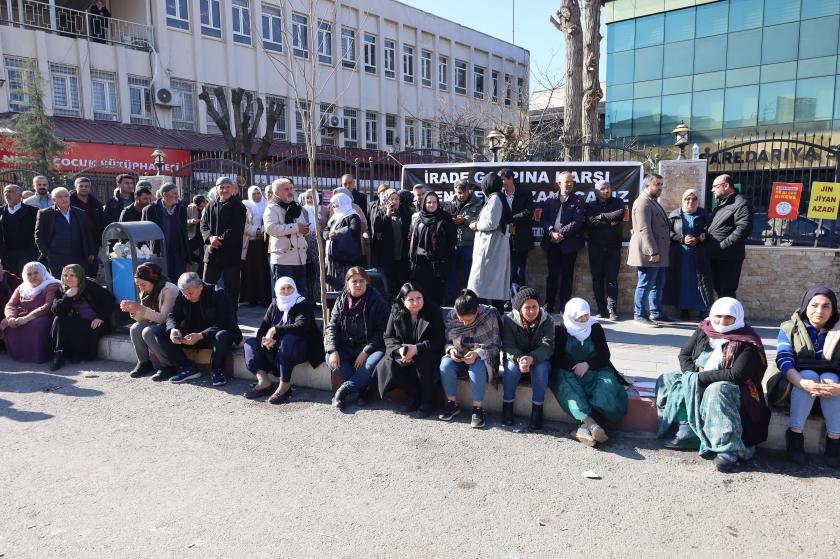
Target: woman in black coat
414 339
431 247
82 316
689 283
389 228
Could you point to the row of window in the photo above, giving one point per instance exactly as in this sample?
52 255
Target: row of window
273 40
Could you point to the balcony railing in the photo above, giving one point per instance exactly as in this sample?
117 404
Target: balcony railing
32 14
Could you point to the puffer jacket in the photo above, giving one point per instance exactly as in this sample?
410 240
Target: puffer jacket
286 245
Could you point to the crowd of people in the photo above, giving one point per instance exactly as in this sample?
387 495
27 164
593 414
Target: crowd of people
258 247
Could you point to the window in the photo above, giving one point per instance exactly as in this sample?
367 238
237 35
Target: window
301 116
646 116
521 93
443 73
211 18
814 99
65 90
780 43
740 106
272 31
495 86
211 124
744 49
351 128
104 93
478 82
478 140
776 102
370 53
183 116
177 15
140 99
460 77
328 135
241 19
426 68
18 76
426 134
300 35
746 14
408 64
649 60
818 37
348 48
410 134
280 125
706 109
679 26
650 30
371 130
325 42
712 19
390 61
508 89
620 65
621 36
391 138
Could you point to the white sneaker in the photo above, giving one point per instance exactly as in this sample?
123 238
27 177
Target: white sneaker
583 435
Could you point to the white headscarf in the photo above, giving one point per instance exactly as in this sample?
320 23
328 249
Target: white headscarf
575 309
286 302
310 208
342 207
257 208
29 291
725 306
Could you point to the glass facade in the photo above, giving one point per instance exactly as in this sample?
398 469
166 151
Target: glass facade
727 68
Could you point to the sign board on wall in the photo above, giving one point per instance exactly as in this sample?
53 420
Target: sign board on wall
784 200
825 200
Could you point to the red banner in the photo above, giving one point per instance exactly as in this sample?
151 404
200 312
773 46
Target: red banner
784 200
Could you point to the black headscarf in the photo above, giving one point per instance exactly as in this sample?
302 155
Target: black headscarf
492 184
826 292
431 218
428 226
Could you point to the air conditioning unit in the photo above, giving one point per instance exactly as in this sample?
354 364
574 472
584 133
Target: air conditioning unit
165 98
333 121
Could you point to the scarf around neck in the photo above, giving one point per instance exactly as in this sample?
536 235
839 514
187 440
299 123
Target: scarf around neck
285 303
575 309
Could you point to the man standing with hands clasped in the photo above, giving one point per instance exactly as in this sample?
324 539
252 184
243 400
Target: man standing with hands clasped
604 216
649 245
731 224
223 227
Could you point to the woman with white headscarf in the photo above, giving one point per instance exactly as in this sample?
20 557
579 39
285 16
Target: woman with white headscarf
28 315
584 381
717 401
343 234
255 278
311 203
286 337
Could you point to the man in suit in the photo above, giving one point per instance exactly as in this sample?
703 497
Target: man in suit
732 221
562 223
650 242
17 231
62 236
223 228
349 182
521 202
171 217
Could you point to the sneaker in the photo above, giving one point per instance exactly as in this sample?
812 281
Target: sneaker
141 369
452 410
186 373
583 435
601 314
218 378
642 321
477 421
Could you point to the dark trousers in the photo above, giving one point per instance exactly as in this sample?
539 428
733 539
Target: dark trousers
57 262
17 258
518 264
423 274
417 380
230 275
460 274
221 345
604 263
726 275
561 269
289 352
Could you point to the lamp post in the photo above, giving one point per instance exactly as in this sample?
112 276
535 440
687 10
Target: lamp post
681 133
159 157
494 140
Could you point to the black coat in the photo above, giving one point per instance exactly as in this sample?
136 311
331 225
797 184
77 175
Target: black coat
522 210
92 207
732 222
363 334
445 236
382 237
113 209
216 313
573 218
153 213
28 216
45 232
560 360
698 252
99 298
227 221
600 217
302 324
430 336
361 200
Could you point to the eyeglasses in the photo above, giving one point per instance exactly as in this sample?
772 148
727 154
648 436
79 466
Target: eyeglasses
721 184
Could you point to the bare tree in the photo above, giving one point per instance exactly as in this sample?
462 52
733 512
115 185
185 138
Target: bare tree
568 22
592 93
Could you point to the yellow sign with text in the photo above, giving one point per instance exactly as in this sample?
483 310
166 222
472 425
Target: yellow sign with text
825 200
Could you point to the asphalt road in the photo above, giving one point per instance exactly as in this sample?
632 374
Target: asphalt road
96 464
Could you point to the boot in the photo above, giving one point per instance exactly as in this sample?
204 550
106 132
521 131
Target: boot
612 310
507 413
57 360
795 443
832 453
340 396
536 417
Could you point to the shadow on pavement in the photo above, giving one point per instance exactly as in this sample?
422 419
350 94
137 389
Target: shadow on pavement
27 382
7 409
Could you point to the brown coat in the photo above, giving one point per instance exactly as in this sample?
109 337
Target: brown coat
651 234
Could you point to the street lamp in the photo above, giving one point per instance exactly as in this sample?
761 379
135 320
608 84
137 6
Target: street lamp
494 140
681 137
159 157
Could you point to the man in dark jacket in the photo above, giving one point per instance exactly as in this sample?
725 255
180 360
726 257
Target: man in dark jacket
731 225
62 236
465 207
171 217
200 319
142 198
82 198
562 223
521 202
223 228
17 231
604 216
123 198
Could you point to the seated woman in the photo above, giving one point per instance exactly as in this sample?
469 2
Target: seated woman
82 315
286 337
157 298
472 347
528 342
28 315
353 338
413 347
808 358
717 401
584 380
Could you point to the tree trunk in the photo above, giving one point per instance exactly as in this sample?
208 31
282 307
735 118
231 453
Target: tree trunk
592 93
569 23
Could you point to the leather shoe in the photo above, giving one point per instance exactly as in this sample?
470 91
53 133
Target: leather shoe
260 392
277 399
141 369
686 443
57 360
340 396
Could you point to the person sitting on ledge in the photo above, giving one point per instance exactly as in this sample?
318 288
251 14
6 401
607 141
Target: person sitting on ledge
717 401
157 298
202 318
286 337
808 358
528 342
28 315
584 381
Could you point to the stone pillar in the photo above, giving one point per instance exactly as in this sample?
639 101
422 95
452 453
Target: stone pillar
680 175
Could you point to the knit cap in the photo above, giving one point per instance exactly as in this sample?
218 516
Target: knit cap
523 295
